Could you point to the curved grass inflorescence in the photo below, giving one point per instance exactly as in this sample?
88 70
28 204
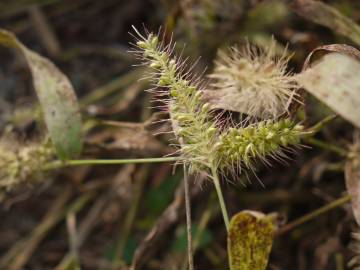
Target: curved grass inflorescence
190 116
240 147
203 145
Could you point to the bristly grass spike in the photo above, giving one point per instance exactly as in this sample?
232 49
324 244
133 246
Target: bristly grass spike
254 80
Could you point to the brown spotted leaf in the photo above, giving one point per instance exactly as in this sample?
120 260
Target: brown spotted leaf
352 179
335 80
57 99
250 240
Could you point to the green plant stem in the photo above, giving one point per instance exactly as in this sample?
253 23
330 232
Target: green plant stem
321 124
220 197
202 225
327 146
82 162
314 214
188 218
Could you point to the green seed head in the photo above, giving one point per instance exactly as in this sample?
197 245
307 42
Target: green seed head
257 141
203 145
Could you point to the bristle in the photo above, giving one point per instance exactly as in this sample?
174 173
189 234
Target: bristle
255 80
205 143
257 141
190 116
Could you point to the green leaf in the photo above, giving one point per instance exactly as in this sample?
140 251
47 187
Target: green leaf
250 239
57 99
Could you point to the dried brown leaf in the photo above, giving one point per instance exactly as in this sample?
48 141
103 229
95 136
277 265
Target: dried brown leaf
327 16
340 48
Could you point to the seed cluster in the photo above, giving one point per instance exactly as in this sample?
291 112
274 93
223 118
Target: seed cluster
202 144
190 116
258 141
22 165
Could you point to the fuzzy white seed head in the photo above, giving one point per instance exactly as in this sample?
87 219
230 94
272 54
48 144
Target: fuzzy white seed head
254 81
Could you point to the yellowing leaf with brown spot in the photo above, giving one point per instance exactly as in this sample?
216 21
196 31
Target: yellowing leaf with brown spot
335 80
57 99
250 240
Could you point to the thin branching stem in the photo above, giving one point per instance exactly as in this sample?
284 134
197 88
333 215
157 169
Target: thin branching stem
188 219
314 214
328 146
82 162
321 124
220 197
